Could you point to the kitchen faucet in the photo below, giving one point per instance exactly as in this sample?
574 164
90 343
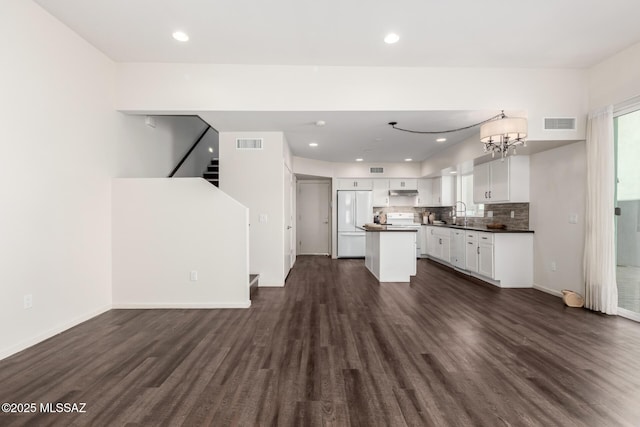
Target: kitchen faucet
465 210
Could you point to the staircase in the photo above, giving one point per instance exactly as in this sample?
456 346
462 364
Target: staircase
212 174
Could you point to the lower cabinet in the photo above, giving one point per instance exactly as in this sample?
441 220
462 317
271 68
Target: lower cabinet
439 243
503 259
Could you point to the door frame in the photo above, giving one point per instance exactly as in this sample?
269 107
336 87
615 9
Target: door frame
329 213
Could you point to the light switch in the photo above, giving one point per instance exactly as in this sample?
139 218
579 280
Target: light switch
263 218
513 214
194 275
573 218
490 214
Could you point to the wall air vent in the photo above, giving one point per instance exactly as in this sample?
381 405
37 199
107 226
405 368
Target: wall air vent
249 143
376 170
559 123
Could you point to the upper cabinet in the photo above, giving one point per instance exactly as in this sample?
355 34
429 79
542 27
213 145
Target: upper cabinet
355 184
380 192
501 181
434 192
403 184
424 192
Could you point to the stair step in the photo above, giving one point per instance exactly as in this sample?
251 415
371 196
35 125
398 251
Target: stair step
213 168
210 175
253 285
215 182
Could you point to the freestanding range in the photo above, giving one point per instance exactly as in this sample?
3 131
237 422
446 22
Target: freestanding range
355 209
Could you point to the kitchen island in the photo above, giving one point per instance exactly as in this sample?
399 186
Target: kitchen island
391 253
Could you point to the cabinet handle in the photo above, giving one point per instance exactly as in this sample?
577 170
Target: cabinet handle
478 250
484 238
489 194
355 183
469 243
440 241
485 195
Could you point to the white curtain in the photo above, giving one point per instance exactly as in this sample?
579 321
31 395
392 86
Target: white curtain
599 252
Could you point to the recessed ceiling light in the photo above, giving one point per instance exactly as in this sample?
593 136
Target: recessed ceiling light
313 144
391 38
408 160
181 36
453 172
320 123
359 160
210 149
441 139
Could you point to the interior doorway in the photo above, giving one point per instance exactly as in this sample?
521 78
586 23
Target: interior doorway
313 217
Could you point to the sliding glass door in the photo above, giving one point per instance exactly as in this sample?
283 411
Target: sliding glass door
627 135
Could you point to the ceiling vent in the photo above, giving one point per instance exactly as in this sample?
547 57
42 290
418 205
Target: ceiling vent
376 170
249 143
559 123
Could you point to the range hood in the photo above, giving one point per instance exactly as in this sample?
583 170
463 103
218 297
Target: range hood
406 193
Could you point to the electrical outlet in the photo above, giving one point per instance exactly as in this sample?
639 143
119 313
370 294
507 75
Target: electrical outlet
194 275
554 266
490 214
28 301
513 214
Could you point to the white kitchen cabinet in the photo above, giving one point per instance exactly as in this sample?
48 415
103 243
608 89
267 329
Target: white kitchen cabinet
380 192
457 248
424 192
503 259
504 180
479 253
439 243
403 184
485 254
355 184
471 251
424 243
443 191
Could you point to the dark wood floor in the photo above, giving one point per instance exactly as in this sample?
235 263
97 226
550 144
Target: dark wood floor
334 347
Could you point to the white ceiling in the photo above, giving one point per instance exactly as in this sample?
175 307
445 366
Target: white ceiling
356 134
467 33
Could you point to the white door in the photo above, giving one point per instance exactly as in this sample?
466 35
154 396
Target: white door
313 209
288 221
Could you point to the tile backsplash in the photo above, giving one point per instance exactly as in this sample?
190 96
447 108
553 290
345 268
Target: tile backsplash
501 214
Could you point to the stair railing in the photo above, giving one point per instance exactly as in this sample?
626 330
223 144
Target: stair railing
193 147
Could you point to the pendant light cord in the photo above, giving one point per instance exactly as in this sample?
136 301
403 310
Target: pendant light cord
497 116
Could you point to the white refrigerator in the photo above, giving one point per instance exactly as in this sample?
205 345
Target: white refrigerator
355 208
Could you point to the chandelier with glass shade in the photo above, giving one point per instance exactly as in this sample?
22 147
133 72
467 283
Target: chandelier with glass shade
503 134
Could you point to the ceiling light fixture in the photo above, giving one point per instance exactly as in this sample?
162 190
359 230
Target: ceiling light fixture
503 134
408 160
359 159
211 149
313 144
320 123
441 139
181 36
453 172
391 38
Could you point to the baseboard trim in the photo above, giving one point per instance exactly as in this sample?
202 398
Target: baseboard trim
279 285
188 305
628 314
52 332
547 290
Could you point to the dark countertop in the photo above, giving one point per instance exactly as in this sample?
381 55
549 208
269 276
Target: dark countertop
390 228
486 230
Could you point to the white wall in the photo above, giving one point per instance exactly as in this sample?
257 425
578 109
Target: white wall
256 179
615 79
321 168
58 138
165 228
207 87
558 189
153 152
